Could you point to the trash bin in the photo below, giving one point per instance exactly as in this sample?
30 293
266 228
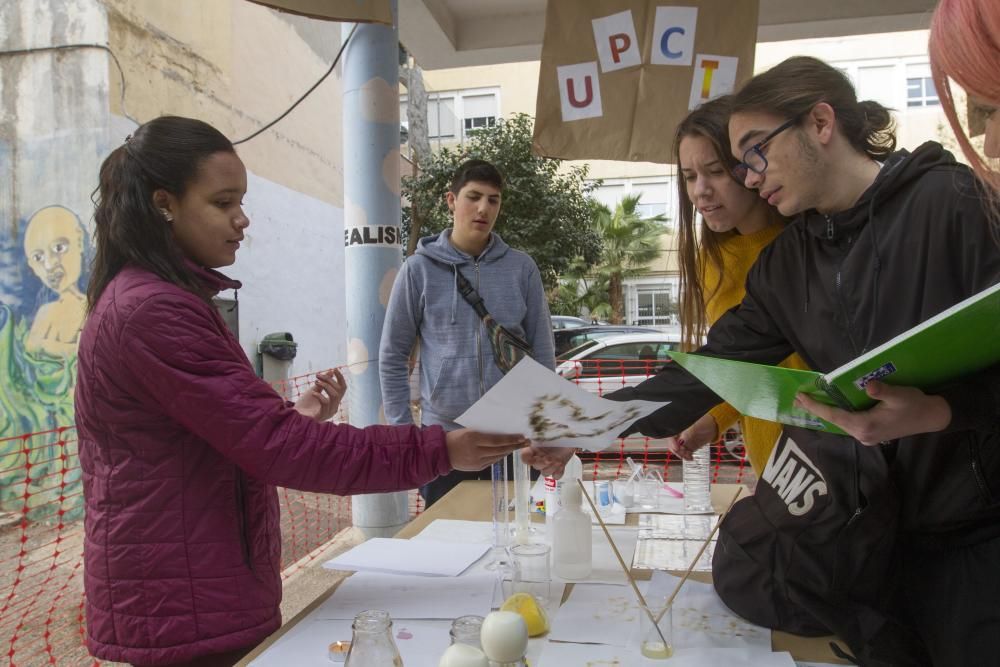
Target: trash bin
275 353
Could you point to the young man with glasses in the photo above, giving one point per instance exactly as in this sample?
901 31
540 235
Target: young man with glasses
875 536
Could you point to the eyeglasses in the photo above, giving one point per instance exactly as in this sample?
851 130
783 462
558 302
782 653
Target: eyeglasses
753 158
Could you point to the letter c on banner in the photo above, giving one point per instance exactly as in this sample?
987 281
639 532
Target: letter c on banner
665 42
674 31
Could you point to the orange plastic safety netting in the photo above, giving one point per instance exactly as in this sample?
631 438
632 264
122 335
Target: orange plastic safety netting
41 519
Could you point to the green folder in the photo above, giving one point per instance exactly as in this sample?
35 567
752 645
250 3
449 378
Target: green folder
956 342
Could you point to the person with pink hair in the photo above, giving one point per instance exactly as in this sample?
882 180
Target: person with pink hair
965 49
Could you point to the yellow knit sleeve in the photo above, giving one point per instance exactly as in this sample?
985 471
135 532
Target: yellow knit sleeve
725 416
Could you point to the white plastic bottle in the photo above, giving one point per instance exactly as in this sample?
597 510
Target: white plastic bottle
572 472
697 481
572 541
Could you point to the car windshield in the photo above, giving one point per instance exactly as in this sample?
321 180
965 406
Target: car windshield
569 354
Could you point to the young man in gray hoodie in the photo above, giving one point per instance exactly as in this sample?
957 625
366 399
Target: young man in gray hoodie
456 357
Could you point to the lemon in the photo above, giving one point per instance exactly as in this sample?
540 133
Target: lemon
533 613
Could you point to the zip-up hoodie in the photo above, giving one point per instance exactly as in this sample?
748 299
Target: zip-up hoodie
456 357
831 287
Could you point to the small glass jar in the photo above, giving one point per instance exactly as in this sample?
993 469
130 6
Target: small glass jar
372 644
466 629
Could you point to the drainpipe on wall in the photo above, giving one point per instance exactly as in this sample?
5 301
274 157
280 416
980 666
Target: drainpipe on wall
372 221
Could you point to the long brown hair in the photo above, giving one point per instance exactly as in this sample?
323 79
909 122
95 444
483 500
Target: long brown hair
794 86
164 153
696 247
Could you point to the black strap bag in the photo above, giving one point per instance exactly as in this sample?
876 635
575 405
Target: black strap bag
508 347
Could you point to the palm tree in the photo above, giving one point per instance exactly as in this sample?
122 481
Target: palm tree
630 243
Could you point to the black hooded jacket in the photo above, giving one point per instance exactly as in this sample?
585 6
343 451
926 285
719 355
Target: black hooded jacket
831 287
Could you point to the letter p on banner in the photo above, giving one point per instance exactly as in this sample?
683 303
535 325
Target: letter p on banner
617 46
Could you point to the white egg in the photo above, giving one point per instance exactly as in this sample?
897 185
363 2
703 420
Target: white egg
463 655
504 636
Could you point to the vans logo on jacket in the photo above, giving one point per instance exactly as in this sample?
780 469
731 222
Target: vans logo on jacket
795 478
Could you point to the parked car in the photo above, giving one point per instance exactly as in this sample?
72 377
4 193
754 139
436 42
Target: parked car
623 360
560 322
567 339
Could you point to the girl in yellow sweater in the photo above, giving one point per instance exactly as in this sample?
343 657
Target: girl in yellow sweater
715 259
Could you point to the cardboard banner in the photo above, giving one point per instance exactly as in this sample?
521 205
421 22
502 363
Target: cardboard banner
617 76
361 11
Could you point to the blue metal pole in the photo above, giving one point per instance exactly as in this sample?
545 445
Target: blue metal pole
373 252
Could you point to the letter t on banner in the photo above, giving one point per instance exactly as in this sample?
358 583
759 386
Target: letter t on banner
616 44
579 91
713 76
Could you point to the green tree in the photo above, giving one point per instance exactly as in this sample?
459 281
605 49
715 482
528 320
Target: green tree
630 243
578 291
546 211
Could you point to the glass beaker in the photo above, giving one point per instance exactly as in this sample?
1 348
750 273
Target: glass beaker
656 642
466 630
372 644
533 573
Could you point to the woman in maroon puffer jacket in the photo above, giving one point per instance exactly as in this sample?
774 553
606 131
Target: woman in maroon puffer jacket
180 443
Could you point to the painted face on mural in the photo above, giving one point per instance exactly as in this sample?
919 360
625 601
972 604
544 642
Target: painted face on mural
53 244
475 209
723 203
208 221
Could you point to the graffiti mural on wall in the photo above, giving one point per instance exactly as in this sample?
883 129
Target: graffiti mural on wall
42 307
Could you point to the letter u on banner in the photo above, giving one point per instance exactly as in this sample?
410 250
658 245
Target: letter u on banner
579 91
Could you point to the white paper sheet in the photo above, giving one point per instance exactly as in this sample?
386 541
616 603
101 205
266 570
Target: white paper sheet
425 557
410 597
458 531
558 654
598 614
606 569
701 620
552 411
419 643
730 657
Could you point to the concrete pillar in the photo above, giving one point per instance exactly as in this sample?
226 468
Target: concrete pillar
372 221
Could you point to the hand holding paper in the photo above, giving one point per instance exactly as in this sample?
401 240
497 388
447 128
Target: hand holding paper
470 450
552 411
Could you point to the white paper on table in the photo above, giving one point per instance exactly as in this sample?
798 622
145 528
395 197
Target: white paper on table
410 597
731 657
457 531
666 504
701 620
598 614
606 569
426 557
307 645
559 654
551 410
